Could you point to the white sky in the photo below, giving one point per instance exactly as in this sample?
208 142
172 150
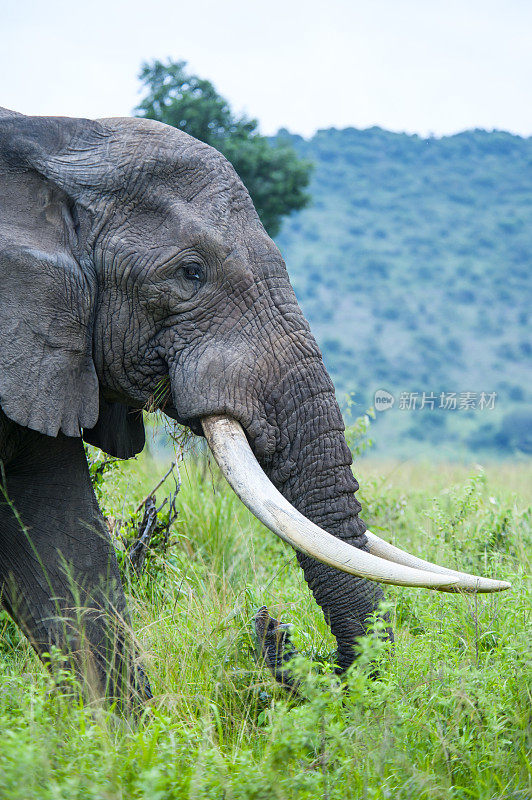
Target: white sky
425 66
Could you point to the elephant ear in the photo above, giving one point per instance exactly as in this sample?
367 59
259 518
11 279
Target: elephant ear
47 287
119 430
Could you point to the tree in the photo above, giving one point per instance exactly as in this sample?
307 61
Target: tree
274 175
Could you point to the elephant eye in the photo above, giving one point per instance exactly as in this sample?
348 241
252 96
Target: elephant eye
192 272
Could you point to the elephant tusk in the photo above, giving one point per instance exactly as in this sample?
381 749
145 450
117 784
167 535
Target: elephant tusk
466 582
235 458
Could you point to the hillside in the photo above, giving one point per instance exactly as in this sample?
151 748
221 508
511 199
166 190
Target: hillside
413 267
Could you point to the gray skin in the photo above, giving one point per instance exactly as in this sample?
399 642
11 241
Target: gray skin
131 257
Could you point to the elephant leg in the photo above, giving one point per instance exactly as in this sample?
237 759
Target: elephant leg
58 571
275 648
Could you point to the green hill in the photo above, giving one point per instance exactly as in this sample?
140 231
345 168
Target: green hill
413 267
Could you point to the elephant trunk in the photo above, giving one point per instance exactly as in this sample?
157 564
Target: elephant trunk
321 486
311 469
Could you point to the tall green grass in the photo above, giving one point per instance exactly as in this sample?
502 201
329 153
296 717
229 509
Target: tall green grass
448 717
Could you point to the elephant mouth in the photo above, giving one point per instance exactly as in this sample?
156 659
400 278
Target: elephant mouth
194 423
262 444
382 562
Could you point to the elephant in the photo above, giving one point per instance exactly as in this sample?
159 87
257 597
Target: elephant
132 258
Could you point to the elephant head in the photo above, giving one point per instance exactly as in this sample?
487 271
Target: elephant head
134 267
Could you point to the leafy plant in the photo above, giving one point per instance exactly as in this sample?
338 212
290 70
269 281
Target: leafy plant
357 433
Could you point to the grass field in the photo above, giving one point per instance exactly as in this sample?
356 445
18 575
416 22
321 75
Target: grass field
449 716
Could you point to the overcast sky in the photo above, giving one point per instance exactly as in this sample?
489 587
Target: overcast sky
424 66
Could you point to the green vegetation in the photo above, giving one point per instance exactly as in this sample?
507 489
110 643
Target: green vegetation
449 716
412 266
272 172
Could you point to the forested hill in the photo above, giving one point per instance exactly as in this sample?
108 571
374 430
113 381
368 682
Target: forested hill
413 267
